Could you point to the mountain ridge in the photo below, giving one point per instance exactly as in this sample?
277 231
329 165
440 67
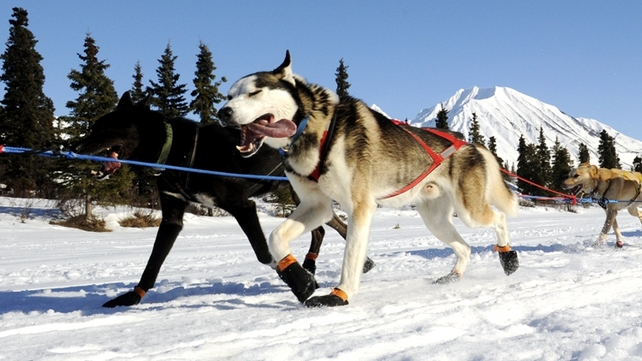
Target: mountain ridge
506 114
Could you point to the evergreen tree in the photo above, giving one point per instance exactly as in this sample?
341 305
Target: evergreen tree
562 165
637 164
206 93
27 117
544 159
492 147
96 97
606 151
475 134
341 78
442 118
167 93
528 168
137 92
583 154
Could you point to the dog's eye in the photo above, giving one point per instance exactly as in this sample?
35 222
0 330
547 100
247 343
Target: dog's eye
254 93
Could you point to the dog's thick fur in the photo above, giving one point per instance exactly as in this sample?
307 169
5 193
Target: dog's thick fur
620 187
135 132
368 158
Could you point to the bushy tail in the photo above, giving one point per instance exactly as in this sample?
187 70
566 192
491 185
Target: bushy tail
498 192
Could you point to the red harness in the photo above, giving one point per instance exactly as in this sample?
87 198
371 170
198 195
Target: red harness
437 158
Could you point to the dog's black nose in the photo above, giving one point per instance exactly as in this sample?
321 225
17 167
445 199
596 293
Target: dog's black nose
225 114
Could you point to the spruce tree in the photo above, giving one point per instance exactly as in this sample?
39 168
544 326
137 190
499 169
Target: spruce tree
442 118
27 117
492 147
544 159
96 97
475 134
606 151
528 167
167 93
341 78
583 154
637 164
562 165
206 93
137 93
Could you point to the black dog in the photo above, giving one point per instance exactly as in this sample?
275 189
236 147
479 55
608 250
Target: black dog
135 132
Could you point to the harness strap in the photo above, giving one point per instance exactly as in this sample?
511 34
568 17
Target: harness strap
324 149
175 182
437 158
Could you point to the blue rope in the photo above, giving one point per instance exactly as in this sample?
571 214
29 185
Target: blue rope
72 155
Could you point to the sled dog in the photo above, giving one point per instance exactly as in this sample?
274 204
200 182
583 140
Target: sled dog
614 188
339 149
135 132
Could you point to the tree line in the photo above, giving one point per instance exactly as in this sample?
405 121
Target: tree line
27 118
540 164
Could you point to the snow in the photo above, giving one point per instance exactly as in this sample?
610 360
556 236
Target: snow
213 301
507 114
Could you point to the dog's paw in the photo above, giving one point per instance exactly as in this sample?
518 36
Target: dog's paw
326 301
619 244
451 277
128 299
368 265
336 298
509 262
300 281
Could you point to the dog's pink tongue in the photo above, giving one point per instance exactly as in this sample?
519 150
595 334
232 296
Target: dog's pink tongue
280 129
111 167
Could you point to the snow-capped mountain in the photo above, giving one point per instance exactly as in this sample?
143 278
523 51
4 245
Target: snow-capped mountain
506 114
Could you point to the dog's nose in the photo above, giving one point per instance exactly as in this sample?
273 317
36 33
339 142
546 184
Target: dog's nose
225 114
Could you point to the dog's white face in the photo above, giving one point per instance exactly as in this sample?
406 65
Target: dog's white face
263 108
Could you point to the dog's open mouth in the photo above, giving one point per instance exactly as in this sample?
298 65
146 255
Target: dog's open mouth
578 189
253 134
108 168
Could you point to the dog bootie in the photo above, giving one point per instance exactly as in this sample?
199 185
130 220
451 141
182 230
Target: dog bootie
508 259
127 299
335 298
310 263
300 281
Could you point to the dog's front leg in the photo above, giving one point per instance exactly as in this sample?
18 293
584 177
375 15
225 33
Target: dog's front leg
170 227
608 223
309 215
359 221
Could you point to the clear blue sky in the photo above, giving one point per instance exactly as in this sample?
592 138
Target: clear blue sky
584 57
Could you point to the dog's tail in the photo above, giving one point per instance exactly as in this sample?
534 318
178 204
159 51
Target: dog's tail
498 193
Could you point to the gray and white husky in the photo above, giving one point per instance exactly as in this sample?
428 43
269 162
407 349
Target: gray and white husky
340 149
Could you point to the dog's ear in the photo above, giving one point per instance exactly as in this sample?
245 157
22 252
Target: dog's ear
594 170
146 102
125 101
284 71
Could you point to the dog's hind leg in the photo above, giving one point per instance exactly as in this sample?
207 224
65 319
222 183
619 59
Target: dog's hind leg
437 216
173 210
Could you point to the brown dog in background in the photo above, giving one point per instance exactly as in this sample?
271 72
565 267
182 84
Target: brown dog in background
617 189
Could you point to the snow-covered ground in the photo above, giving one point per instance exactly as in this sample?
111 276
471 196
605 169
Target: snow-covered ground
213 300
